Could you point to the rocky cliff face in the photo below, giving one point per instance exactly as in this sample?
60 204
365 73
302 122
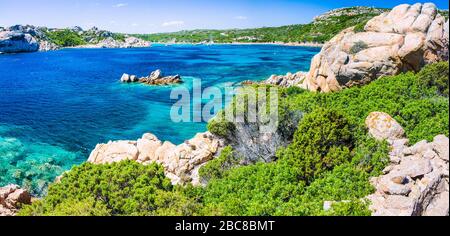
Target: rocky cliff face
416 182
11 199
11 42
181 162
28 38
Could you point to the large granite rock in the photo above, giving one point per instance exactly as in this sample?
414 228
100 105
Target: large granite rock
15 42
12 198
181 162
417 180
286 80
382 126
405 39
28 38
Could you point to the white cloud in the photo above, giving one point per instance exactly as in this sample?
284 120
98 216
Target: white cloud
173 23
240 17
121 5
135 24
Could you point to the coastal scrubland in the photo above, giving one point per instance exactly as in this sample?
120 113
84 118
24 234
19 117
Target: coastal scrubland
331 158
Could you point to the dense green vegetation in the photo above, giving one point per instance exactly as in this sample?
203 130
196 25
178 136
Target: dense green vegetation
70 37
126 188
65 38
330 158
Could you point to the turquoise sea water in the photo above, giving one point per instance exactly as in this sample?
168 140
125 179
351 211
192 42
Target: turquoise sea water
56 106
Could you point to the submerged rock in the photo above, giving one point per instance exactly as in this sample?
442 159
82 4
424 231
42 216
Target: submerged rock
11 199
417 180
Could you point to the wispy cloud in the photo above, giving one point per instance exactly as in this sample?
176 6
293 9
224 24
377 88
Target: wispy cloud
135 24
240 18
173 23
121 5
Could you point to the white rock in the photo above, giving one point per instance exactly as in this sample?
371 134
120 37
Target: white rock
382 126
125 78
441 146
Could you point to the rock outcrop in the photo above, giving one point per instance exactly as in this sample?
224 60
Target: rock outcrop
416 183
110 42
404 39
12 198
18 38
14 42
287 80
155 78
181 162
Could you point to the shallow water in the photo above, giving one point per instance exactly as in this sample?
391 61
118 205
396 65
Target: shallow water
56 106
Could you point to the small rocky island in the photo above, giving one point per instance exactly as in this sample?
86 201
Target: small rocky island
155 78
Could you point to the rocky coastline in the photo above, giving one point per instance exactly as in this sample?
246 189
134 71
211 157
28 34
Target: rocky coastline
416 182
28 38
404 39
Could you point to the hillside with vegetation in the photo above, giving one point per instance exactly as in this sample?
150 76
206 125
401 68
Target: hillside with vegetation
321 29
331 158
76 36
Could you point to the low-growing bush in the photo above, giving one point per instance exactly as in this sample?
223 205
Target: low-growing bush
65 38
125 188
323 140
217 167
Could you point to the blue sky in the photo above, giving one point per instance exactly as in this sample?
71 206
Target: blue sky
149 16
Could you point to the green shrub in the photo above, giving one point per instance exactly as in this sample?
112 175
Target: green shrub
371 155
360 27
256 190
220 126
217 167
323 140
70 207
65 38
125 188
435 75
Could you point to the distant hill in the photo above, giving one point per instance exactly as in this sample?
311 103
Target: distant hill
320 30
